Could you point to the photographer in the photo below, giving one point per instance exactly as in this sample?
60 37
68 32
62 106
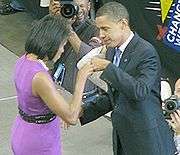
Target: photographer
175 118
80 42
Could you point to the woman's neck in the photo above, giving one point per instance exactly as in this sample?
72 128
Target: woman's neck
32 57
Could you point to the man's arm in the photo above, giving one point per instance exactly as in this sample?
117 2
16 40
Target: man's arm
81 47
96 109
75 41
134 85
138 86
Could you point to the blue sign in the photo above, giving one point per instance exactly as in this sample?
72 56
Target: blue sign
172 37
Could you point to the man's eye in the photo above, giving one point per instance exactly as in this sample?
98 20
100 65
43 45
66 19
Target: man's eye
105 29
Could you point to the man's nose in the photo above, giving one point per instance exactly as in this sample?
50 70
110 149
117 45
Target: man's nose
101 34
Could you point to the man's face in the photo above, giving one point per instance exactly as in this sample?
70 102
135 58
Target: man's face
84 7
177 88
111 33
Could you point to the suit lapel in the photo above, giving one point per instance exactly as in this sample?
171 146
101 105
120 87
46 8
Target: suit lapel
126 57
110 54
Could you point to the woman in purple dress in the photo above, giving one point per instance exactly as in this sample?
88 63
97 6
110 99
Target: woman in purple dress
36 130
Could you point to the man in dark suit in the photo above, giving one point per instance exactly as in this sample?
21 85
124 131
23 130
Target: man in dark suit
153 19
133 78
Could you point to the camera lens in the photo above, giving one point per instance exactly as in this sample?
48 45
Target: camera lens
171 105
68 10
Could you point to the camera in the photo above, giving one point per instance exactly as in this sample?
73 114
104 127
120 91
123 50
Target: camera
59 74
171 105
69 8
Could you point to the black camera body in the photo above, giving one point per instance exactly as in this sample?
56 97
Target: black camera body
171 105
69 8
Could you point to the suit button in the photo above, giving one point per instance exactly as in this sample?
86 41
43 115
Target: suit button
125 60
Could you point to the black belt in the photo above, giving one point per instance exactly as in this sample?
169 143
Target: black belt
38 119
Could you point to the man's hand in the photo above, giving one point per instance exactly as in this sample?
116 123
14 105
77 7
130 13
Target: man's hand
54 7
175 122
99 63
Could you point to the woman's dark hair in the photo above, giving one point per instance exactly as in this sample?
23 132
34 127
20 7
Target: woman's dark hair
46 36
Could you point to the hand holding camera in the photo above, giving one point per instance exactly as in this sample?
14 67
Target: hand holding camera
67 8
171 105
54 7
175 121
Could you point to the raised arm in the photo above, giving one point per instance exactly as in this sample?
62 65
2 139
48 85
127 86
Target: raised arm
76 42
43 86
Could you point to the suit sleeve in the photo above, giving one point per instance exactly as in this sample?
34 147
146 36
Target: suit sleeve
138 86
96 109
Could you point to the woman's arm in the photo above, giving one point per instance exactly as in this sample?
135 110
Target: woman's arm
43 87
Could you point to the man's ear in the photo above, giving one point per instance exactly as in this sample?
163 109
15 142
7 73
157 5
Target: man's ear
123 23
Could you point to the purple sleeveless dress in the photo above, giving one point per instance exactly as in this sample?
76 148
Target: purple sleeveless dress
30 138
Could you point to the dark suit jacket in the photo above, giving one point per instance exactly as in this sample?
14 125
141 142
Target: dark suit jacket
134 97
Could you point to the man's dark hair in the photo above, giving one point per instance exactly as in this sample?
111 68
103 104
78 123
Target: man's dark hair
114 10
46 36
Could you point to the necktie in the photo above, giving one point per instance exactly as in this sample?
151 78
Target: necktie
117 57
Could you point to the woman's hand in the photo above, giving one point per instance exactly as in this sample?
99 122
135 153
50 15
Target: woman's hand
54 7
99 63
64 125
86 71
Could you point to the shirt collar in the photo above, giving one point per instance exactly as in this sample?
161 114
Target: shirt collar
124 45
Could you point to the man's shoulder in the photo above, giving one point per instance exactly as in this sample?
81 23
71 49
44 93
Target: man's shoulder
142 47
142 43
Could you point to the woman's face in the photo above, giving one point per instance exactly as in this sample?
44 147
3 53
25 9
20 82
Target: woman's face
60 51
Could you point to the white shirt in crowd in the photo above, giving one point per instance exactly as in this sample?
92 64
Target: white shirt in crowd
44 3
